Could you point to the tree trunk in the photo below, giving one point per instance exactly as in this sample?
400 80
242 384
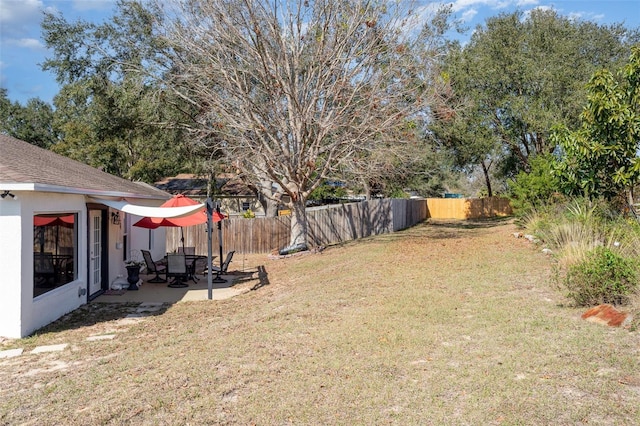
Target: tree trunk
299 226
264 191
367 189
487 181
271 208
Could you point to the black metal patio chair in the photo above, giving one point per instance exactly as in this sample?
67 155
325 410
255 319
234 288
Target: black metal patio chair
177 268
225 265
154 267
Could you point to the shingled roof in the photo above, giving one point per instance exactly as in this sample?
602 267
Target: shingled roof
195 186
24 166
187 184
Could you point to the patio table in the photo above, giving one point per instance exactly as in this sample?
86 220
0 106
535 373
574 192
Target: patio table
190 260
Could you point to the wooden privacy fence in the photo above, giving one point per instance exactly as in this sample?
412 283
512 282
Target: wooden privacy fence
327 225
467 208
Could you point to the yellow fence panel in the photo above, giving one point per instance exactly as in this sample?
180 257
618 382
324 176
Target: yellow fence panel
468 208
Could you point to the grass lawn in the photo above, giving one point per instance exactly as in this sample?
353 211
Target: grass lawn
447 323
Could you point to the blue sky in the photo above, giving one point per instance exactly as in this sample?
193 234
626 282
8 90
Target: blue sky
22 48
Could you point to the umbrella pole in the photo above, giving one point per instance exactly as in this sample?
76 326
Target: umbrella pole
218 279
209 249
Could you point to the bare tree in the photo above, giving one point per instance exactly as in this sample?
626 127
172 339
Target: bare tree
294 88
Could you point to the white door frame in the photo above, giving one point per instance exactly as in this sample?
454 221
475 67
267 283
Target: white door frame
96 252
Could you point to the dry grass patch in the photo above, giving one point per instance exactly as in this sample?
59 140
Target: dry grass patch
445 323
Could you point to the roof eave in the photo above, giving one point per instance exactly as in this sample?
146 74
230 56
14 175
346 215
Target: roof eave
38 187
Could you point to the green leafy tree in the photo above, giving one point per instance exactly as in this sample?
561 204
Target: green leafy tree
600 159
32 123
462 130
110 115
7 113
516 78
328 191
536 188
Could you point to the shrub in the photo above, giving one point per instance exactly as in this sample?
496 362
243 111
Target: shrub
577 223
604 276
536 188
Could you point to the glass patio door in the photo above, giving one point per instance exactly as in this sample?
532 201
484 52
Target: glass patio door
95 251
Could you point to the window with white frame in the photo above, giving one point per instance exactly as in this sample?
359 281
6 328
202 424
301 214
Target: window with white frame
55 251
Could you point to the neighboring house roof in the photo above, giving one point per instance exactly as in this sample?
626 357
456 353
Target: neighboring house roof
235 187
27 167
196 186
188 184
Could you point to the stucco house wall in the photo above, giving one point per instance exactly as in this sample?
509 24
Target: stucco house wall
35 181
138 239
20 312
10 255
47 307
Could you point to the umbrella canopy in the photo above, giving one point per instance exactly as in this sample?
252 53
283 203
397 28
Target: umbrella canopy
197 218
179 200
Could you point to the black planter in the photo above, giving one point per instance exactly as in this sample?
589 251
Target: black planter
133 276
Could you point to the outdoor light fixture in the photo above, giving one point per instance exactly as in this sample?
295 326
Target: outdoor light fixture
8 193
115 218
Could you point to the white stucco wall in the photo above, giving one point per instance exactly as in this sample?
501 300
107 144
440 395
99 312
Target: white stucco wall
10 252
20 313
115 247
137 239
154 240
50 306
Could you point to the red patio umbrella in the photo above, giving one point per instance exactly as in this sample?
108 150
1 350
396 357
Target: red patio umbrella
179 200
197 218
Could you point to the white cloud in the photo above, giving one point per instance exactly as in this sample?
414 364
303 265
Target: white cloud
461 5
29 43
19 17
468 15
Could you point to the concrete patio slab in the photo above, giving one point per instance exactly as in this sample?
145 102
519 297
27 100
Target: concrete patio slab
159 293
